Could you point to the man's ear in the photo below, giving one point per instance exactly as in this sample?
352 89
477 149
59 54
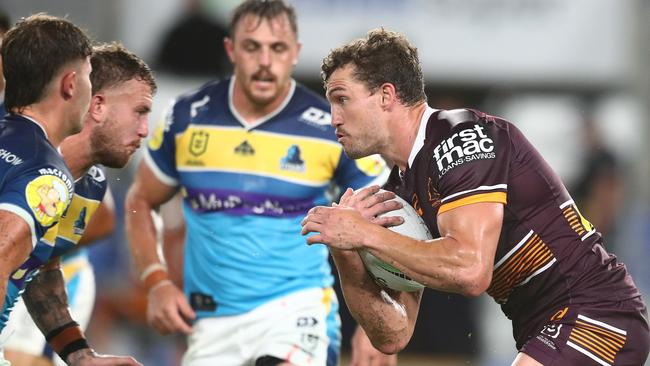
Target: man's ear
388 95
97 109
229 46
68 85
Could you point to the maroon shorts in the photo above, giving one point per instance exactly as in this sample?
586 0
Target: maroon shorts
593 334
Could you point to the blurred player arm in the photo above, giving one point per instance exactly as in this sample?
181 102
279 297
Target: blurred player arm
15 246
102 223
168 310
47 302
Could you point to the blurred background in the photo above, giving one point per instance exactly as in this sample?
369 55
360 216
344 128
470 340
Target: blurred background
573 75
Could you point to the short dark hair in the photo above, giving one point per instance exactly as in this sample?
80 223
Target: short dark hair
33 51
382 57
114 64
263 9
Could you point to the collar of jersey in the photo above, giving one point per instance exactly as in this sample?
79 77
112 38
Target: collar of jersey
419 138
250 126
36 123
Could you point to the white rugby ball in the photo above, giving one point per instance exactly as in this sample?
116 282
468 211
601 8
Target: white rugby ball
383 273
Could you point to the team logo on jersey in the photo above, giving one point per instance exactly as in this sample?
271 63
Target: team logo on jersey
199 142
292 161
316 117
467 145
79 225
434 195
47 196
244 149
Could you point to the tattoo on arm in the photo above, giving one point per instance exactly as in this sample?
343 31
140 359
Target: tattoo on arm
46 300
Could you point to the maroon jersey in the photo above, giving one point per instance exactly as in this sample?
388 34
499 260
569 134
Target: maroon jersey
548 254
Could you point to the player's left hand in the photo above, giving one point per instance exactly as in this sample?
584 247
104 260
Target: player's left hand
88 357
372 203
364 354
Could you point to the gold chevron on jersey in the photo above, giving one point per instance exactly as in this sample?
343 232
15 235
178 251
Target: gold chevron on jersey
495 193
203 148
71 227
578 223
530 257
597 340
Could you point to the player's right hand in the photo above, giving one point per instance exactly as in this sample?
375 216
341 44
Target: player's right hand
168 310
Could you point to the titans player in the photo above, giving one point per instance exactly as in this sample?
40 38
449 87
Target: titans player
251 154
112 129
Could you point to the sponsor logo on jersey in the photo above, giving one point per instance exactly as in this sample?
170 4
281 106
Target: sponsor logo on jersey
316 117
292 160
10 157
244 149
199 142
464 146
48 197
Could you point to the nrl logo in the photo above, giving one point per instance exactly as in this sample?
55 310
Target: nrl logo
199 142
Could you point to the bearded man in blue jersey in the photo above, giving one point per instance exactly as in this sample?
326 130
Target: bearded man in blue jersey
251 155
46 64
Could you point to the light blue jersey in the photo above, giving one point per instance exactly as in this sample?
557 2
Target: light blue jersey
246 188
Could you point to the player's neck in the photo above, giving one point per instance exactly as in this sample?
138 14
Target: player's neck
76 151
403 134
252 112
50 118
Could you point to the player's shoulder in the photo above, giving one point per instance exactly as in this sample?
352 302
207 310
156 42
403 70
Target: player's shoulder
204 102
445 123
212 89
93 184
24 144
311 114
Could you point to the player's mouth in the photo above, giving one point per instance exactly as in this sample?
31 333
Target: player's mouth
263 79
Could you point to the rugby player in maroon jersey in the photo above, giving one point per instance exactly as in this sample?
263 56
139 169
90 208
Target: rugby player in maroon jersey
503 221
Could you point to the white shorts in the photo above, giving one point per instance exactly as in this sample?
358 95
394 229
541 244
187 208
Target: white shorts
21 332
302 328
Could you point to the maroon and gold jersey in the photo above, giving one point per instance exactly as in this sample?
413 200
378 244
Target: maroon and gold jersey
548 254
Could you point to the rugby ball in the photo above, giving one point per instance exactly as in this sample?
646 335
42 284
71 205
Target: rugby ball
383 273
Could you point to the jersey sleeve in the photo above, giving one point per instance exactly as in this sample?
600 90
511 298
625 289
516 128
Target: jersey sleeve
160 153
39 199
471 165
360 173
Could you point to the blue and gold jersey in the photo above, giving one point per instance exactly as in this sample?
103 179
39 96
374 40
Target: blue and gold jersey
35 183
62 238
246 188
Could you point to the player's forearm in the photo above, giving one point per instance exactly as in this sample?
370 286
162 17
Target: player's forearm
442 264
46 300
140 231
383 316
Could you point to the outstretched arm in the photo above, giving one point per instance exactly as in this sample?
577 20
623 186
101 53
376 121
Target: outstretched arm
168 310
47 303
